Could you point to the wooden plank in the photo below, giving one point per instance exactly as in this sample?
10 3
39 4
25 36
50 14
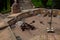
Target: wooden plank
14 15
51 37
7 34
57 37
3 24
43 36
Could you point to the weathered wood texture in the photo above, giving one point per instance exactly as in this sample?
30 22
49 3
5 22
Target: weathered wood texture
39 32
7 34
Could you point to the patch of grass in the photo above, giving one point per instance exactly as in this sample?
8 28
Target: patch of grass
5 11
37 3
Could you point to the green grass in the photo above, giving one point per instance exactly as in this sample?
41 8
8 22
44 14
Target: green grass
6 6
5 11
38 3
